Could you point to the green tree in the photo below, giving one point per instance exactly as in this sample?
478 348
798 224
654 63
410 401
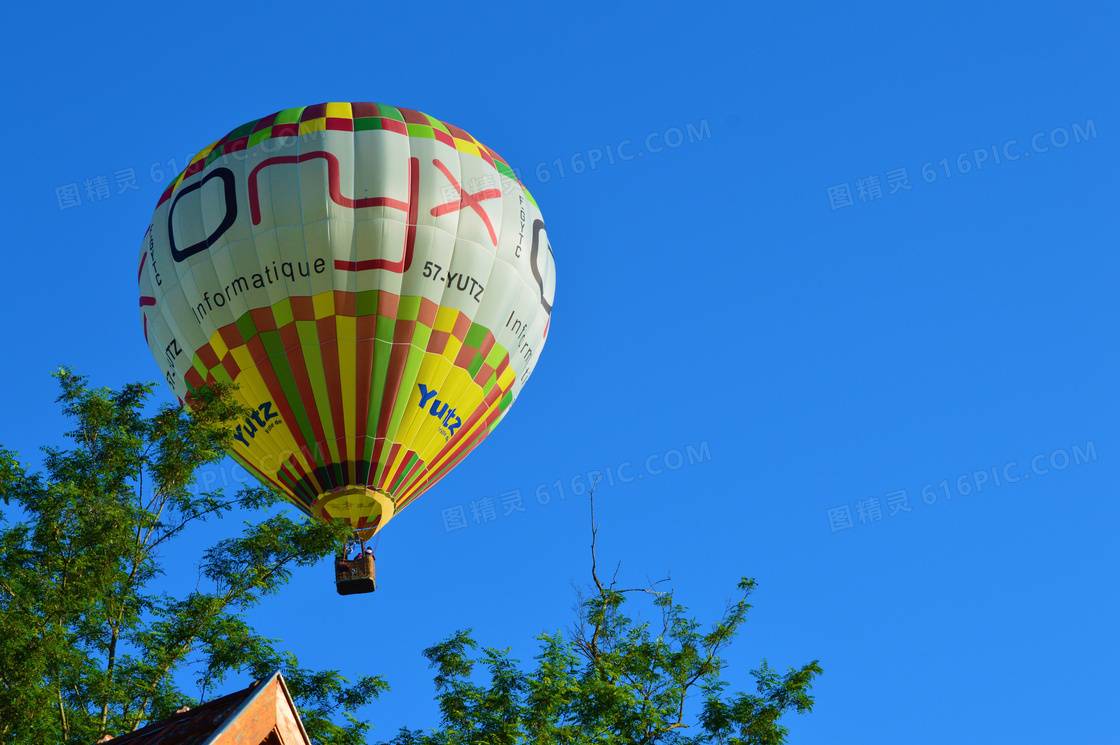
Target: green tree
88 644
612 680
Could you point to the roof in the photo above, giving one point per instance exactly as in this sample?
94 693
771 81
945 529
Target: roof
262 714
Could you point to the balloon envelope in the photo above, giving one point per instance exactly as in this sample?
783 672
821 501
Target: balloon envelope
377 282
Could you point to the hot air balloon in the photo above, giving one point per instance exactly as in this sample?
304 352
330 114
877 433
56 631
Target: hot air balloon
378 284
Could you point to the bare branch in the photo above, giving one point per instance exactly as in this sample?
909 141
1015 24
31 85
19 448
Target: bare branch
594 532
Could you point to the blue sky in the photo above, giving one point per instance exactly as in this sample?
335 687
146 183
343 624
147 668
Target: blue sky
815 348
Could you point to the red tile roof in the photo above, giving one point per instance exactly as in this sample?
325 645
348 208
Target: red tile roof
261 713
